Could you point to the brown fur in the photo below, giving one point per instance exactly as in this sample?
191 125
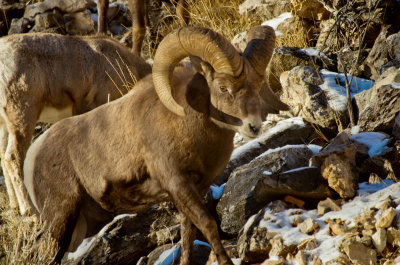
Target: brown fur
140 19
49 70
130 153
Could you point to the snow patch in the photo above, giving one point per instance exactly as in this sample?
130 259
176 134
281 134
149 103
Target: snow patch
395 85
274 23
376 142
279 127
168 256
335 88
355 130
369 195
314 52
82 249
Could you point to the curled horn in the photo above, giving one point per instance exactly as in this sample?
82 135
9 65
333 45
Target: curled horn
260 45
191 41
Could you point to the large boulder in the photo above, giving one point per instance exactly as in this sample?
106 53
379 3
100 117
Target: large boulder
268 177
128 237
337 162
286 58
286 132
265 9
64 6
381 109
9 10
385 49
319 97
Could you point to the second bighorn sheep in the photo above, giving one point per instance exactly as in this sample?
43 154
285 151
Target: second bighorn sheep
140 18
168 139
46 77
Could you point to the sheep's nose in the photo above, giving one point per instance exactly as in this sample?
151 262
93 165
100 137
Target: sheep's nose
254 129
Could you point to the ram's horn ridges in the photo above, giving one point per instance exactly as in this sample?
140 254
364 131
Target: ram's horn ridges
260 46
191 41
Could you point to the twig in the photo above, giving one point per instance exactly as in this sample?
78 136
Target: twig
349 104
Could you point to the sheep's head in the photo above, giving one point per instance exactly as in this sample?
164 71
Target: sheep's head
235 80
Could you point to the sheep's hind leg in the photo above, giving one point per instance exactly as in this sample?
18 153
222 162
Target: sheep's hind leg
20 131
12 197
189 203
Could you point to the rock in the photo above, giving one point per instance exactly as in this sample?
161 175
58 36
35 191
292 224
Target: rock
382 51
279 248
80 23
286 58
386 219
240 41
21 25
327 206
126 238
366 220
393 236
338 166
254 241
380 113
379 239
326 39
306 92
312 10
396 127
359 254
64 6
308 244
338 227
8 12
254 185
309 226
290 131
52 22
279 261
264 9
301 257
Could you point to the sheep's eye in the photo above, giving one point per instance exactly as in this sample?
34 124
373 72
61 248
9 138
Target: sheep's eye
223 89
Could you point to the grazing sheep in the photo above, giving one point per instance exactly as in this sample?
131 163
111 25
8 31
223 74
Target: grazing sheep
47 77
168 139
140 19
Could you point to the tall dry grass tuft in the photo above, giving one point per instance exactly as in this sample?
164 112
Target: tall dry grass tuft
23 239
221 16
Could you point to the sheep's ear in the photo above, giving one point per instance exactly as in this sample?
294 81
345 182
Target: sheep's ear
202 67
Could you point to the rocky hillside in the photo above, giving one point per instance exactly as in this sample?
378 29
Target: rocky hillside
320 184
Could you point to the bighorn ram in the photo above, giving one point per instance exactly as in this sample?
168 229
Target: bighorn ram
140 19
169 138
46 77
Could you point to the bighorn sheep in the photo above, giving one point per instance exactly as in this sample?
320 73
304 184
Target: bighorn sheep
140 19
46 77
168 138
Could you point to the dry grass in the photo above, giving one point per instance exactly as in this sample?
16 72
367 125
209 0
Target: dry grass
22 239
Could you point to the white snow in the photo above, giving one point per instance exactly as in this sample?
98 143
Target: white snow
296 169
82 249
376 141
314 52
335 88
217 191
88 242
274 23
395 85
355 129
370 195
168 256
280 127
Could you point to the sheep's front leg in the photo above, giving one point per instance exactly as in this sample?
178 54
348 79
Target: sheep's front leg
188 235
189 203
